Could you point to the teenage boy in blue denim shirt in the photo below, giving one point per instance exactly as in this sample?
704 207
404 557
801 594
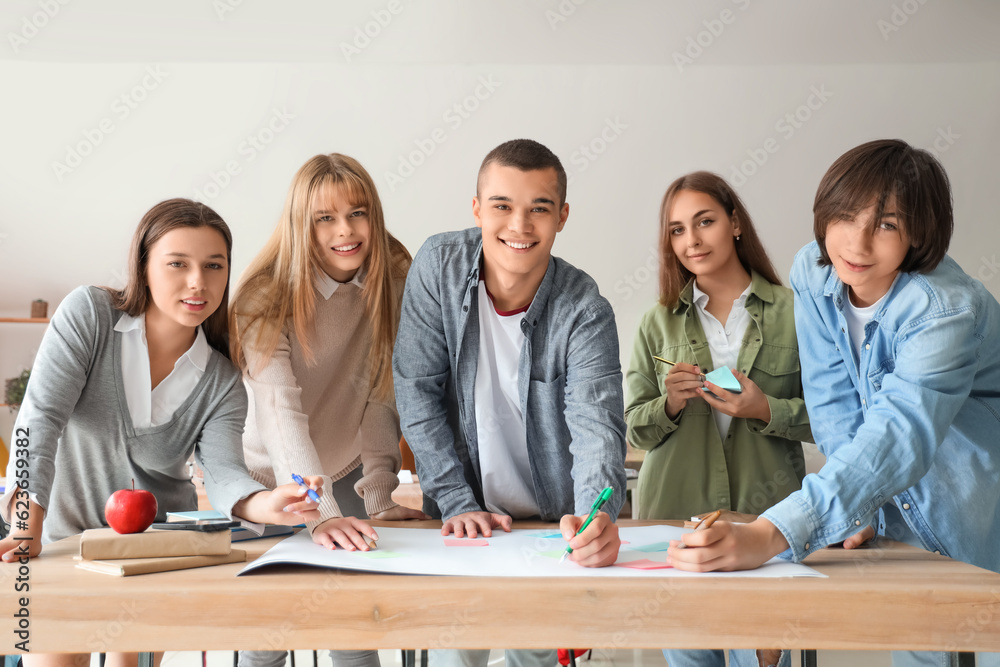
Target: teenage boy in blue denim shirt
506 370
901 372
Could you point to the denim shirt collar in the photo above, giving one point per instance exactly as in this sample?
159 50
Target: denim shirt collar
837 290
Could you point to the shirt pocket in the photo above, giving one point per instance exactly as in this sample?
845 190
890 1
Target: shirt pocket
877 374
546 399
776 371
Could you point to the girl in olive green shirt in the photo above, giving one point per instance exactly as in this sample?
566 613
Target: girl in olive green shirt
734 451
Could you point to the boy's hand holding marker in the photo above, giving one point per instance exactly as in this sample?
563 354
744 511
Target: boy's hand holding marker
722 545
593 539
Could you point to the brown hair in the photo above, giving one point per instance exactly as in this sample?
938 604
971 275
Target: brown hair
884 170
134 298
279 282
525 155
749 249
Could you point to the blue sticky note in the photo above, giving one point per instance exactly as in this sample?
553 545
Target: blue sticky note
724 378
657 546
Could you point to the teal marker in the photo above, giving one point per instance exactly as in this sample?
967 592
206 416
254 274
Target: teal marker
595 508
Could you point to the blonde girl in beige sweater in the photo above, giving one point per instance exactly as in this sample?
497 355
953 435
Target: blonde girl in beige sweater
315 321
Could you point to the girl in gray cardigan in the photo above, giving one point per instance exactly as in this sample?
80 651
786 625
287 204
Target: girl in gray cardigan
129 383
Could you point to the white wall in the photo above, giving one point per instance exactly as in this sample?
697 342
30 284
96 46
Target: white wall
162 96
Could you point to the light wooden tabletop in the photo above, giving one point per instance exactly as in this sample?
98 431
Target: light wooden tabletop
887 597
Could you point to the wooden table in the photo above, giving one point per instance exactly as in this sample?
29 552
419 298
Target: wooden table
891 596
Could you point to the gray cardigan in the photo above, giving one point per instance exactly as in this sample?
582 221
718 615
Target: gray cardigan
82 445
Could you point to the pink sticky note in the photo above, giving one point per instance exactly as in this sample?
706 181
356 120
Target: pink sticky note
466 543
644 564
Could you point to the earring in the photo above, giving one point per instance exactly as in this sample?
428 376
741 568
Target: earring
737 237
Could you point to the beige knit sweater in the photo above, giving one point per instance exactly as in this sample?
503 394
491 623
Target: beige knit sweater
321 418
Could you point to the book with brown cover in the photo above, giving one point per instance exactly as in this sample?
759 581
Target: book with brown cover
105 543
129 566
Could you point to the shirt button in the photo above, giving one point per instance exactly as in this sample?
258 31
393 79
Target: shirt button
906 506
938 553
807 546
857 523
862 401
868 346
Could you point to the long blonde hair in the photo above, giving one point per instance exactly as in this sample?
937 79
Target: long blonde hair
279 282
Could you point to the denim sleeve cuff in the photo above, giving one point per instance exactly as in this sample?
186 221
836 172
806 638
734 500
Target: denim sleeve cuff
457 502
798 523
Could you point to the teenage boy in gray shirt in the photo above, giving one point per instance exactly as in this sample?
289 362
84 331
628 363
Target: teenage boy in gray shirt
507 376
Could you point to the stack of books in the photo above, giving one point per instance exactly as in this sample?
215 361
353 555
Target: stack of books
104 550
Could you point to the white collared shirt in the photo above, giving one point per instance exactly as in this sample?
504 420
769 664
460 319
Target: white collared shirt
327 286
157 406
724 342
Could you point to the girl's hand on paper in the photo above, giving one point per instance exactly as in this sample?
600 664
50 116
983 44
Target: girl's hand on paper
683 382
751 403
597 546
347 532
399 513
473 524
728 546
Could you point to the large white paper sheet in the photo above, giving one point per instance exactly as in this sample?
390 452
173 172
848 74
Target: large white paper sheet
520 553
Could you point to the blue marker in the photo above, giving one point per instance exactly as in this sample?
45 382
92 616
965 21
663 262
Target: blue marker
301 482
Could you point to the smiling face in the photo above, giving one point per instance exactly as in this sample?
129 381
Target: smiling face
187 272
520 214
867 257
342 232
702 235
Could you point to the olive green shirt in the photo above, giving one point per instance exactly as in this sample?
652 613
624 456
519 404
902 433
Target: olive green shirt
689 469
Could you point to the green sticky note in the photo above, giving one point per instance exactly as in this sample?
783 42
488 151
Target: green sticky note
555 553
723 377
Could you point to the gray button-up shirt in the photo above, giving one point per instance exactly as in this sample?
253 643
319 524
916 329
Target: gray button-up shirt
569 383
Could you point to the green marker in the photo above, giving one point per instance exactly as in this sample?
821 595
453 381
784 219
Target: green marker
595 508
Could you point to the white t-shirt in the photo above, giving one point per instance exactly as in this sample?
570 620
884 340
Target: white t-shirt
503 446
857 318
724 342
157 406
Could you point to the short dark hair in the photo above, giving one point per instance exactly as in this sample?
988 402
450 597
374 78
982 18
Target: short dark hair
525 155
134 299
883 170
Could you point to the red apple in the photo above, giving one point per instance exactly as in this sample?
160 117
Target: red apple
130 510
